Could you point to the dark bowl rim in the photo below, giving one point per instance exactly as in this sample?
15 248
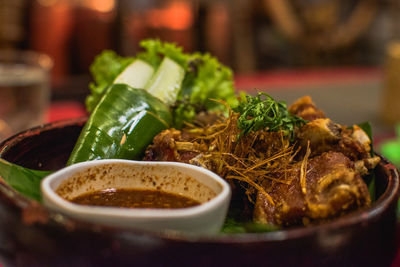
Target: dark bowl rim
361 216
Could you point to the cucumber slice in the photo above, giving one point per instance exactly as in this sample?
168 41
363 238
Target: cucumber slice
166 82
136 75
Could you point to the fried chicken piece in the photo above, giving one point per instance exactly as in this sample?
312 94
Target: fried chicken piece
173 145
363 166
354 143
322 135
305 108
333 187
163 147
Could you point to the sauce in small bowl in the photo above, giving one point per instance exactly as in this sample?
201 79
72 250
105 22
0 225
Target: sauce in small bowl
136 198
142 195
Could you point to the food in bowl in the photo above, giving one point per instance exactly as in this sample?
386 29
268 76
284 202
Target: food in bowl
87 191
361 238
309 175
289 167
135 198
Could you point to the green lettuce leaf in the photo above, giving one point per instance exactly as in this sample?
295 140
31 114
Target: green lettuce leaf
104 70
155 51
108 65
206 79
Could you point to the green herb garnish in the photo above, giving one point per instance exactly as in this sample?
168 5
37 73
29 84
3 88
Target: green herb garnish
233 226
263 112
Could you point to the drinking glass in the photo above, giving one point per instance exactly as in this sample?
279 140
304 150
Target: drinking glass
24 90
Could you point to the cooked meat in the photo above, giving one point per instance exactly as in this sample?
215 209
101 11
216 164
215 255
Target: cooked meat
359 135
212 147
323 135
311 179
305 108
163 148
352 146
255 149
173 145
364 165
177 145
332 188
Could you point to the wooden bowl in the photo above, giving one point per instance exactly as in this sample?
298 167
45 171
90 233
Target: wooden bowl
31 235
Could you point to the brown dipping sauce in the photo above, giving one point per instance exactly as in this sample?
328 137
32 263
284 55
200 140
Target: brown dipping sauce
135 198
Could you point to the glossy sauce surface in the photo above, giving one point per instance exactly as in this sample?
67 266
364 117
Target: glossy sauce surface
135 198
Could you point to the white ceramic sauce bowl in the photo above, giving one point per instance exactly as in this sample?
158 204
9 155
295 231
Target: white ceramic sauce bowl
209 189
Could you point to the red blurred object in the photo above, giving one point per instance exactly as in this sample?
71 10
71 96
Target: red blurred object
51 28
177 15
171 21
65 110
72 33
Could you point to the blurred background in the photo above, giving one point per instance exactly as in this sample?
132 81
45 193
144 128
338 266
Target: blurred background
248 35
343 53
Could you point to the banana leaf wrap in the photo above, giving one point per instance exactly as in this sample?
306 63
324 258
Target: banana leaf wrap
121 126
23 180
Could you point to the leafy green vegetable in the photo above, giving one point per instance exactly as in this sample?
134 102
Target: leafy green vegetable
262 111
122 125
208 79
205 78
232 226
185 111
24 180
104 70
155 51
